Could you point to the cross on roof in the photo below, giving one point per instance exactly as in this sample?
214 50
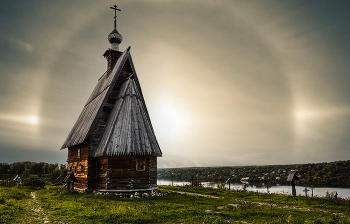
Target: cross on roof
115 14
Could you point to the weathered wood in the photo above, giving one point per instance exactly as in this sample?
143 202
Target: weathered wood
119 172
93 107
114 133
129 130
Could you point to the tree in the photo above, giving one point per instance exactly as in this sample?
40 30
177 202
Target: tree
55 174
63 166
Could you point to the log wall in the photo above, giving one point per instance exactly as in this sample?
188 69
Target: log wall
120 173
79 164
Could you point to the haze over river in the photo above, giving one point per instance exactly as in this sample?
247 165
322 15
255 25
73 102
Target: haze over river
281 189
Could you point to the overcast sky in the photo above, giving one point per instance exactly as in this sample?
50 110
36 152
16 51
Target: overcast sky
226 82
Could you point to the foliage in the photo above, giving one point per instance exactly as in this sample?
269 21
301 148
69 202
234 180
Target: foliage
221 185
196 183
34 182
333 173
55 174
29 168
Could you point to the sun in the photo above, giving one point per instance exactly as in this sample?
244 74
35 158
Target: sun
301 115
33 120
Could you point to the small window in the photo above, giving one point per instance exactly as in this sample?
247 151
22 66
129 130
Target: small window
140 165
70 169
79 152
75 169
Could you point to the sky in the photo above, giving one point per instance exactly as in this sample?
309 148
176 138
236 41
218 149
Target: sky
226 83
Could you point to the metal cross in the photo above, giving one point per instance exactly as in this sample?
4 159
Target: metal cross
115 14
306 190
268 187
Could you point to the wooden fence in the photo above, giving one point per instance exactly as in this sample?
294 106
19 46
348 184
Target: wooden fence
7 183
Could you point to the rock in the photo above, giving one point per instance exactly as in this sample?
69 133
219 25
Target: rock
221 207
182 193
235 205
212 212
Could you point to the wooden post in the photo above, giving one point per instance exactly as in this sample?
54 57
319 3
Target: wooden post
172 179
294 192
192 178
306 190
268 187
71 186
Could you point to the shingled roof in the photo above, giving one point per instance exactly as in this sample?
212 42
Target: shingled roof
129 130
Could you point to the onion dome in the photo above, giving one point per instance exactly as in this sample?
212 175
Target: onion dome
115 38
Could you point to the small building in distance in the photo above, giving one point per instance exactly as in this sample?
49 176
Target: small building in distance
112 146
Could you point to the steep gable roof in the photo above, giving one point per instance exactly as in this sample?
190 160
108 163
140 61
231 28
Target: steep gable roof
93 106
129 130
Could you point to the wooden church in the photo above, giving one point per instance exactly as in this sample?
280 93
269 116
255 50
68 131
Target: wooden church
112 146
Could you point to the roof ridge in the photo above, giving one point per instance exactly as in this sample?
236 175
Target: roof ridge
92 109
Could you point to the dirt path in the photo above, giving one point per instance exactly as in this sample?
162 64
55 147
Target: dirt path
38 215
259 203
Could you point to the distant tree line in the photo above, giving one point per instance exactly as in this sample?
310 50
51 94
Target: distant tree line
26 169
332 173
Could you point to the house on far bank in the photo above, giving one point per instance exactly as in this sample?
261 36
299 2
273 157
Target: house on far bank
112 146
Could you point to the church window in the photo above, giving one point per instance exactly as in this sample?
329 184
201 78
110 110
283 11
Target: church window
79 152
140 165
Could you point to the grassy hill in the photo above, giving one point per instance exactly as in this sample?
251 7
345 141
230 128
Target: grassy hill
55 205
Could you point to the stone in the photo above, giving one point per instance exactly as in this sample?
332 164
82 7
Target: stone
212 212
235 205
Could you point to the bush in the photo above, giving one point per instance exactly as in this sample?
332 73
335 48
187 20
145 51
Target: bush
37 182
55 174
221 186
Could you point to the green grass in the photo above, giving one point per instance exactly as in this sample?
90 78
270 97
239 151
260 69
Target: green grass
340 205
12 203
61 206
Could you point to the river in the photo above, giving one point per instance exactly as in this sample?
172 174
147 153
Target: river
281 189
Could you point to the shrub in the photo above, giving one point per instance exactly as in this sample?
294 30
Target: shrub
221 186
55 174
2 199
37 182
